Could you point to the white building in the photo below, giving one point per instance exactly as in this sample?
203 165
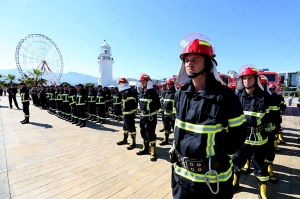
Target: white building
290 79
105 62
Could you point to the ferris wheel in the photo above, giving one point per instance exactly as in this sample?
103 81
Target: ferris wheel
37 51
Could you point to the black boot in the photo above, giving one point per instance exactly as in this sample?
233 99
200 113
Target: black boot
166 139
93 119
98 120
83 124
75 121
132 144
272 178
102 122
79 122
120 118
25 121
145 150
124 140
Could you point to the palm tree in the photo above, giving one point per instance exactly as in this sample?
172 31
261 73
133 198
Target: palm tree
26 79
36 74
10 78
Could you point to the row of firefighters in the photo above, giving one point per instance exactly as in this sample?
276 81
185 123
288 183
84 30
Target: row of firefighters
78 105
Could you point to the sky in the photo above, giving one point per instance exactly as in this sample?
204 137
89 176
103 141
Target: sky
144 34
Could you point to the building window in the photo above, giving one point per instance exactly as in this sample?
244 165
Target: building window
105 51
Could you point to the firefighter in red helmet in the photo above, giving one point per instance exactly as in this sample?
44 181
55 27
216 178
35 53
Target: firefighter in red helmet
256 103
282 106
168 107
209 125
129 109
149 105
162 92
272 128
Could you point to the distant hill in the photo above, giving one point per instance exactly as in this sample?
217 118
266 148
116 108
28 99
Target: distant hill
71 77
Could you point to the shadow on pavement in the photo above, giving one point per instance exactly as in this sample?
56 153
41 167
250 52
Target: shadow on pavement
47 126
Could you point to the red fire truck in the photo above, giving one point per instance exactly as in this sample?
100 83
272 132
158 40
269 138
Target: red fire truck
272 77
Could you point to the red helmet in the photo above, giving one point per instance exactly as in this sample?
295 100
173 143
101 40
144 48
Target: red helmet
248 70
272 85
144 77
163 84
170 81
122 80
263 80
196 43
198 46
231 85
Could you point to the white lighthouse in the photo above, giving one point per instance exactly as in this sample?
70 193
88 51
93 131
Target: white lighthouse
105 62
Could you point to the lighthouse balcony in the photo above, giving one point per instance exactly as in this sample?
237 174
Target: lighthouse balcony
105 57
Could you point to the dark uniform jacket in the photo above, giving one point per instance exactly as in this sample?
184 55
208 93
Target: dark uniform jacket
92 96
24 95
149 102
168 101
72 97
117 98
81 97
208 124
128 101
257 113
101 97
12 91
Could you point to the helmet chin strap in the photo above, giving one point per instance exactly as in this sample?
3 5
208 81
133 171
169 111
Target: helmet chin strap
194 75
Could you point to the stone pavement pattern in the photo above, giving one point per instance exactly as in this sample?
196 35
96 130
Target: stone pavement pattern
51 158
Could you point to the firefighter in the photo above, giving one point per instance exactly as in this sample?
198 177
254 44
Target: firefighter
52 100
100 103
58 100
209 126
162 93
66 104
117 100
25 99
273 128
107 100
72 103
149 105
12 92
232 86
92 103
168 107
81 100
43 97
256 103
129 108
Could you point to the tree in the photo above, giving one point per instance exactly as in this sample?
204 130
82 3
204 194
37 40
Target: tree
26 79
89 84
65 83
37 74
10 78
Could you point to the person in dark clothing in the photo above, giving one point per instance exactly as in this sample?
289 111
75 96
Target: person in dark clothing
72 103
149 105
100 103
43 97
129 109
81 101
107 100
256 103
169 110
12 92
117 100
209 126
52 92
25 99
92 103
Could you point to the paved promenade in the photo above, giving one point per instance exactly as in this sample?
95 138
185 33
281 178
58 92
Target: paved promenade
51 158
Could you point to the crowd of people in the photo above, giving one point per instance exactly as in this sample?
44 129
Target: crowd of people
219 130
